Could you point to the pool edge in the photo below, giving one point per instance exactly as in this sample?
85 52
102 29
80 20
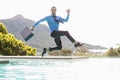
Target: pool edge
45 57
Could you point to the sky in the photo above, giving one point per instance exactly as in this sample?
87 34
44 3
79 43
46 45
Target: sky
95 22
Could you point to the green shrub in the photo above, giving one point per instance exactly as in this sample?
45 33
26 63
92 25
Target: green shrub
10 46
3 29
113 52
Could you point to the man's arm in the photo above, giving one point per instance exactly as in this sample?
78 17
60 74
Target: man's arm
36 24
67 18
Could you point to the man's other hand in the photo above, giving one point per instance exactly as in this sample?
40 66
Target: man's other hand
32 28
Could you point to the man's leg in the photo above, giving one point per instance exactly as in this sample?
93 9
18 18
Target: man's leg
62 33
66 33
58 43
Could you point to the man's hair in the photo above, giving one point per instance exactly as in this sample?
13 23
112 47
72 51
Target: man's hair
53 7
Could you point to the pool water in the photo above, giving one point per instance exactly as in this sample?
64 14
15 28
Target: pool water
61 69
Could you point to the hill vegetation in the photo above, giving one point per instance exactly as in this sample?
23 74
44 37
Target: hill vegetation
113 52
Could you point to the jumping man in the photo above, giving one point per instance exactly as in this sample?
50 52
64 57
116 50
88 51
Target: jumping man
53 22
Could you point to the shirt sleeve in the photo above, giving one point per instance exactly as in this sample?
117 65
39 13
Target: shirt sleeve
41 20
66 19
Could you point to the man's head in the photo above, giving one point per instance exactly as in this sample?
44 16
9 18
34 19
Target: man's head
53 10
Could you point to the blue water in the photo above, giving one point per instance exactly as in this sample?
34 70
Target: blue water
72 69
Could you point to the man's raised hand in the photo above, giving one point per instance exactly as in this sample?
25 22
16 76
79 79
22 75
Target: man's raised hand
68 11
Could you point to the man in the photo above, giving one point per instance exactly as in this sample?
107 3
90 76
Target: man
53 22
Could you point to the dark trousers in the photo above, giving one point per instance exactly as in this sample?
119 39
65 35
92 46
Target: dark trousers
56 35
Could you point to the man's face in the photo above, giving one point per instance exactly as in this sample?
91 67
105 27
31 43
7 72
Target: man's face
53 10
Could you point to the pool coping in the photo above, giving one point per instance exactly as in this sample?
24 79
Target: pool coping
4 61
45 57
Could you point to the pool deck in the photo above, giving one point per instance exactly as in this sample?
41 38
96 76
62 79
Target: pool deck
45 57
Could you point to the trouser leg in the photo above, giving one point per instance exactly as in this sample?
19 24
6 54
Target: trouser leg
56 35
58 43
62 33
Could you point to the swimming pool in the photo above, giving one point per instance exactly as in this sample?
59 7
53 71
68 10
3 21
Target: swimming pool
61 69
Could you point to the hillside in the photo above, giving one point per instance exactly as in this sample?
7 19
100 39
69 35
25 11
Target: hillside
41 38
